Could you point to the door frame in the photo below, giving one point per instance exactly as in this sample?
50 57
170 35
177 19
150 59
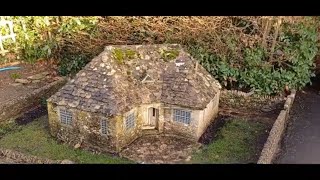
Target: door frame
151 111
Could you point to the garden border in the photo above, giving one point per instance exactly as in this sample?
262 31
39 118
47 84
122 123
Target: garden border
273 143
19 158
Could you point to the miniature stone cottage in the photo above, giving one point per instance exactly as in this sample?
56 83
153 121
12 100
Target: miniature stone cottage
129 90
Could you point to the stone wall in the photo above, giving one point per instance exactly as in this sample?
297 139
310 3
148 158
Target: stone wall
85 131
207 116
125 136
273 143
20 158
21 104
181 129
250 94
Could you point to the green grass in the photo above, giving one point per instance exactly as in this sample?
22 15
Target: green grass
235 143
8 127
34 139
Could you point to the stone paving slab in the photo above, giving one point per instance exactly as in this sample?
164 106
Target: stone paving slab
160 149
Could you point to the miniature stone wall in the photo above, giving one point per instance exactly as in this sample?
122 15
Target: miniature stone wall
273 143
85 131
208 115
125 137
200 119
17 157
177 128
19 105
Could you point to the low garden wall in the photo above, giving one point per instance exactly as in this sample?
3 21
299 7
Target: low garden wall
273 143
21 104
19 158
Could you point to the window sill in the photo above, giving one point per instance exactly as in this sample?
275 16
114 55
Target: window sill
66 125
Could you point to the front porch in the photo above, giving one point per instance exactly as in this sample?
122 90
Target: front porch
152 117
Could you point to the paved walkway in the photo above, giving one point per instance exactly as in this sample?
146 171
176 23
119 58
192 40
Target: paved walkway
157 149
301 144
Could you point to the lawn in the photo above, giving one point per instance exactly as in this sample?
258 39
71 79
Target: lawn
34 139
236 142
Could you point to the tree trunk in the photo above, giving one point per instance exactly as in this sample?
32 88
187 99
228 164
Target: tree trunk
266 32
276 33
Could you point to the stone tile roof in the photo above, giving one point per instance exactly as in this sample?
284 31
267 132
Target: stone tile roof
123 77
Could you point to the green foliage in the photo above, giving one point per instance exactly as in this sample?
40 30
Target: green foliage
256 72
8 127
72 63
119 55
235 143
35 139
39 37
15 75
43 102
232 51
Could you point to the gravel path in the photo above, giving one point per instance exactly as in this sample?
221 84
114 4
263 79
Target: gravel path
301 144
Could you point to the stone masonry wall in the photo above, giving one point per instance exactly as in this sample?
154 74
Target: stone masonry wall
208 115
125 137
273 143
19 105
20 158
85 131
177 128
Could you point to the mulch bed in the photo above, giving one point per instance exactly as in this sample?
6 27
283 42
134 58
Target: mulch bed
31 115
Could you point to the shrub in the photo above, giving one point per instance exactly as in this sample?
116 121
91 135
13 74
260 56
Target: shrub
264 54
291 66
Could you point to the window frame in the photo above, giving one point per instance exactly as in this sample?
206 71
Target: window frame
183 117
129 115
66 113
107 130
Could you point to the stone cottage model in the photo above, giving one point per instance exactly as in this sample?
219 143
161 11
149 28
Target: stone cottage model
128 90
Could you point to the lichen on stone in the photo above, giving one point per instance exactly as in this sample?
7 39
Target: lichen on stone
121 55
168 55
130 54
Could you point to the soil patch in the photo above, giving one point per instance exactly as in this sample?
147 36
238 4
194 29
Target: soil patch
31 115
9 89
211 132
